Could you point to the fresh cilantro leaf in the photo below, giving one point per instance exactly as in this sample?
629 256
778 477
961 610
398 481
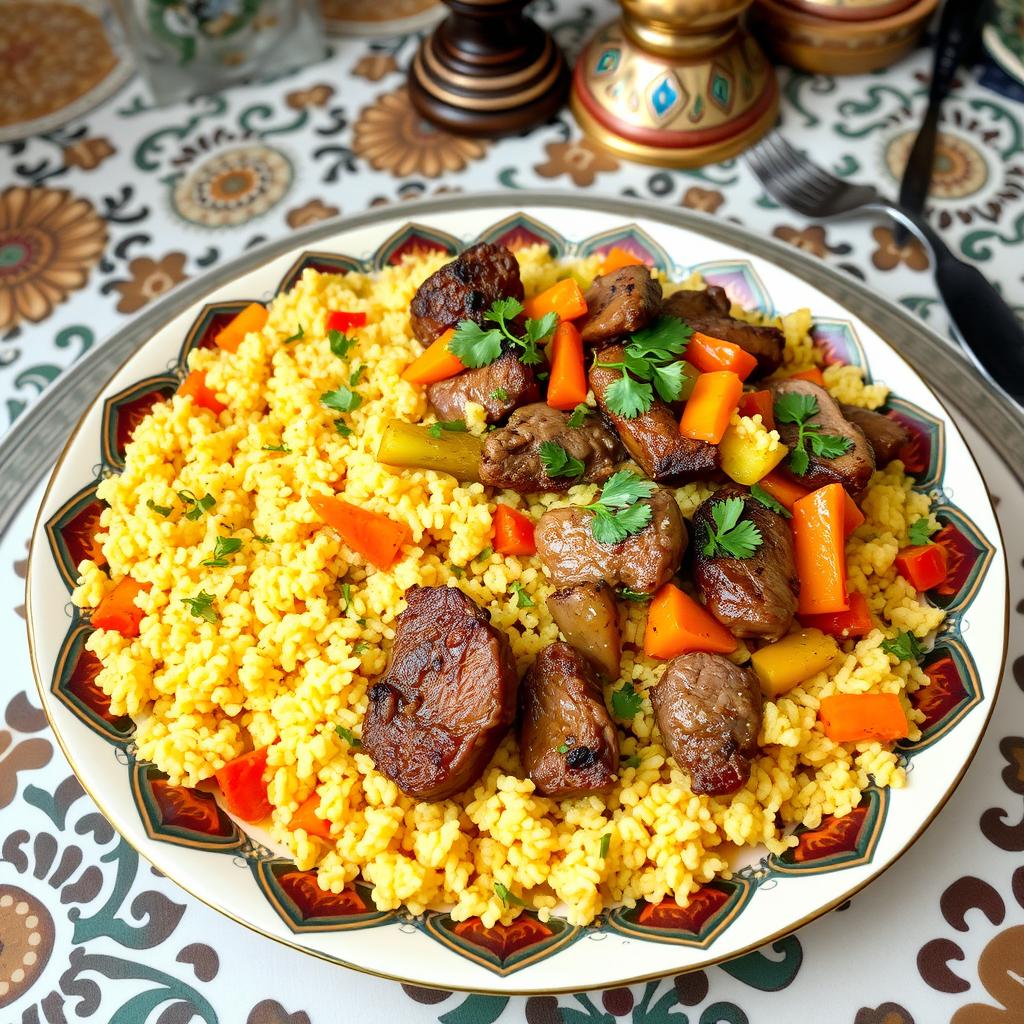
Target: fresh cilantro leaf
536 332
666 336
349 737
340 343
920 531
603 848
223 547
627 397
297 336
626 702
731 537
797 408
507 897
201 606
616 513
613 528
633 595
196 506
162 510
758 493
523 599
799 460
564 748
499 395
504 309
903 647
630 762
356 375
668 381
346 597
473 346
579 414
828 446
454 426
342 428
625 488
651 362
341 400
558 462
277 448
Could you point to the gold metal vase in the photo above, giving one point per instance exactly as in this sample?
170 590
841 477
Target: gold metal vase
679 83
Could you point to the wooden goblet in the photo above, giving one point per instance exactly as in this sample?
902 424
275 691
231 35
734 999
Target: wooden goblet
488 70
678 83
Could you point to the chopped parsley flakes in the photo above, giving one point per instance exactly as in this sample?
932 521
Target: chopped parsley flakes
904 647
201 606
920 531
349 737
223 547
626 702
196 506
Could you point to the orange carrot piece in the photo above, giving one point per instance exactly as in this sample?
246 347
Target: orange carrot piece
194 386
677 624
243 786
376 537
564 298
306 818
714 398
820 550
616 258
786 492
855 622
438 362
118 610
252 318
710 354
853 717
513 532
813 374
567 385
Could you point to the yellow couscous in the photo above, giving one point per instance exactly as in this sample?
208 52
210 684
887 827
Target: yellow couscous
303 627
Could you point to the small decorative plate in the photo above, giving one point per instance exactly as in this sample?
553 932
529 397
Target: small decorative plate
373 18
1004 37
239 871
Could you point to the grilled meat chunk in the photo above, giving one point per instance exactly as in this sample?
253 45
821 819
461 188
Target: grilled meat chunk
886 435
567 741
751 597
588 618
709 714
853 469
708 312
619 303
448 697
642 562
500 387
512 455
464 290
653 437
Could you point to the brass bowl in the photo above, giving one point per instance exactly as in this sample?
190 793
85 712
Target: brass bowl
850 10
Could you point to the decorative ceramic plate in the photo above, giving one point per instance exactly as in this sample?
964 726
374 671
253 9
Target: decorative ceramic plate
373 18
1004 37
238 870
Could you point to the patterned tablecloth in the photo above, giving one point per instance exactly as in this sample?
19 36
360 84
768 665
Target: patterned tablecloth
100 216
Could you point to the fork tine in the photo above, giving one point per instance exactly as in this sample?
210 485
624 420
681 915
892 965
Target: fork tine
792 178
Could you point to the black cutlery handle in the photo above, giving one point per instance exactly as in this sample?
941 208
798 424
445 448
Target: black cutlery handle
958 27
985 323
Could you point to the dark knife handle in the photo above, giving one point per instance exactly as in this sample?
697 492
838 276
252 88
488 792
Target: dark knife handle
986 324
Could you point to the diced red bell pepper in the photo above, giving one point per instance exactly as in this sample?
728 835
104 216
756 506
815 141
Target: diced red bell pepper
194 385
855 622
923 566
710 355
243 786
513 532
758 403
306 818
118 610
342 321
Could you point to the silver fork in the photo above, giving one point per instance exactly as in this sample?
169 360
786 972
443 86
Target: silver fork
988 330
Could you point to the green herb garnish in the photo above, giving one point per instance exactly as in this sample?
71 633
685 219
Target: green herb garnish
161 510
484 555
457 571
758 493
651 363
507 897
262 540
523 599
223 547
630 762
297 336
603 849
633 595
277 448
453 426
903 647
499 395
577 416
346 601
201 606
356 375
196 506
564 748
626 702
616 513
342 428
340 343
476 347
731 537
348 736
798 408
360 647
920 531
341 400
558 462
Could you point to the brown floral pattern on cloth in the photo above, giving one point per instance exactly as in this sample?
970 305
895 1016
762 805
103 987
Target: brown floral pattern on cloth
374 66
314 96
392 137
707 200
889 254
88 154
50 241
49 61
149 280
581 159
310 213
270 1011
19 754
884 1013
811 239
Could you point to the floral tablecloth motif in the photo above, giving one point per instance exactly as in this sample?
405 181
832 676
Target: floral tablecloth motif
101 216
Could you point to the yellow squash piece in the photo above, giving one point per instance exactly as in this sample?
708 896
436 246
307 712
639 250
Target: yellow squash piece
749 452
412 446
791 660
